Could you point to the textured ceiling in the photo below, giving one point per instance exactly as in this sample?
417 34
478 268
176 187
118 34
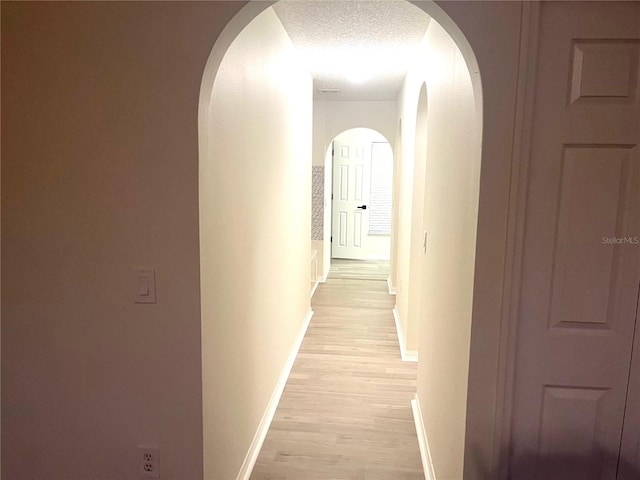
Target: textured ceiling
361 47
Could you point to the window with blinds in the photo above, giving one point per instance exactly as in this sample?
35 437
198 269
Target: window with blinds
381 189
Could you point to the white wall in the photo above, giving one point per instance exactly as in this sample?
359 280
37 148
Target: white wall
444 196
397 169
255 204
410 198
341 116
414 292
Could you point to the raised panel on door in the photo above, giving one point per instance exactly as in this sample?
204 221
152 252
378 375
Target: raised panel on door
358 183
595 196
341 216
581 267
629 463
572 426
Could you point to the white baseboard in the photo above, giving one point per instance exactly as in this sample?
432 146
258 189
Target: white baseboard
315 286
392 290
407 355
427 464
267 417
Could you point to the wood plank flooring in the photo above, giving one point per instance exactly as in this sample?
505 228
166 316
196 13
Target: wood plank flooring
345 412
364 269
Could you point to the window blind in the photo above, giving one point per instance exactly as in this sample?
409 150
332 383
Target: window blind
381 189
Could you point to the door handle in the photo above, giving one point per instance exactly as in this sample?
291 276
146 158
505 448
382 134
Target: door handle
363 207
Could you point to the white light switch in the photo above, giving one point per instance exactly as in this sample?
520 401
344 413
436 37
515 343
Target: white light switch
144 286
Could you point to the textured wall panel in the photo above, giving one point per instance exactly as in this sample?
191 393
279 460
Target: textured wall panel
317 203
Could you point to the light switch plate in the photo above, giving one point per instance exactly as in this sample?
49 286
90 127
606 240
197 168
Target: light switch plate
143 286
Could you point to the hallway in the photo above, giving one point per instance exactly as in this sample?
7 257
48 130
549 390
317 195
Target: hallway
345 412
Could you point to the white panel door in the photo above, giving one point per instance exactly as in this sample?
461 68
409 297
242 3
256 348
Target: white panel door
351 188
581 265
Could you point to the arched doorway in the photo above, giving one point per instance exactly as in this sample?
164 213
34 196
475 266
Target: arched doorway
465 54
362 173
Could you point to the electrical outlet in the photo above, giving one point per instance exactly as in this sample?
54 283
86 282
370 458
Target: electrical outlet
149 461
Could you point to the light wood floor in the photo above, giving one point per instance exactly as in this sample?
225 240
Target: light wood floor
364 269
345 412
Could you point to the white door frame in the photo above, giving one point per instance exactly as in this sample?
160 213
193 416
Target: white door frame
515 237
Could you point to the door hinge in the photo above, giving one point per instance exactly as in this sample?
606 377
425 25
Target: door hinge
332 196
331 241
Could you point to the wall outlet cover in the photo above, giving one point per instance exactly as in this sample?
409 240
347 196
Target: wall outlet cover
149 462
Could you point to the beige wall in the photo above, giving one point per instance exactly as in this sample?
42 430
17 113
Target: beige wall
100 168
459 410
255 206
449 217
440 183
410 199
493 28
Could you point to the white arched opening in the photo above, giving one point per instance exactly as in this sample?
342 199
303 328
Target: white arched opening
411 238
362 176
221 444
331 121
444 145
